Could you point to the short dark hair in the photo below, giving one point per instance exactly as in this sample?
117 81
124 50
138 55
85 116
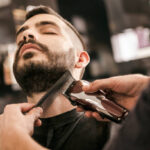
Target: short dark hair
47 10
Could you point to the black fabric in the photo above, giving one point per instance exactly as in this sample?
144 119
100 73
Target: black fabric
135 131
72 131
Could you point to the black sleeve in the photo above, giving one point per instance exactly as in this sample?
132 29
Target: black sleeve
135 131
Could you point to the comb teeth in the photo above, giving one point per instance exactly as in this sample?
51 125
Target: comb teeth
70 80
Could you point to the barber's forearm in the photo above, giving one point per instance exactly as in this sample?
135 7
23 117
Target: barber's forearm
19 140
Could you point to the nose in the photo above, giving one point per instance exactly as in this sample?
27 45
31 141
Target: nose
27 36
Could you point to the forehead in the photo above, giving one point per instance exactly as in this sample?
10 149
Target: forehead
44 17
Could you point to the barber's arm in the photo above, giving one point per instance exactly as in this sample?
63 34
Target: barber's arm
125 90
16 127
134 134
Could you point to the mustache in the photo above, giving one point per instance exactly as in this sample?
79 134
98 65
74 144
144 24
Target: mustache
43 47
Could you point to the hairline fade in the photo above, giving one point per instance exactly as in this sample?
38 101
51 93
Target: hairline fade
47 10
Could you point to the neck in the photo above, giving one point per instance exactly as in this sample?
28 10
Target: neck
60 105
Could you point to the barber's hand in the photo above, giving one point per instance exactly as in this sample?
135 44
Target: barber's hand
125 90
16 118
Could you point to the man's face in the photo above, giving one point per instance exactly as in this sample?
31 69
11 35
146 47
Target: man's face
44 52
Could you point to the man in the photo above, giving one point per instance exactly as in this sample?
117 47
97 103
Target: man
135 130
48 46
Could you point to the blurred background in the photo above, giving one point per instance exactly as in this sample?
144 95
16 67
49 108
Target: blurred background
116 32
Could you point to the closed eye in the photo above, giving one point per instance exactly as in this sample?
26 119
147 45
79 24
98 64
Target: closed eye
50 33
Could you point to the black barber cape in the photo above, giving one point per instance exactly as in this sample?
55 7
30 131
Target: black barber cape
72 131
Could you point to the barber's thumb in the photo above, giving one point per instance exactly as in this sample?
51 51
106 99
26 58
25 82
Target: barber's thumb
92 87
35 113
86 87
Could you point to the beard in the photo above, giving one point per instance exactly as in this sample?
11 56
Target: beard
39 76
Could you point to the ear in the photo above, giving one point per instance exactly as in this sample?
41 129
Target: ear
83 60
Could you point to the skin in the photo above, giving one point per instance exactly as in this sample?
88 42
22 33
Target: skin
58 37
125 90
16 127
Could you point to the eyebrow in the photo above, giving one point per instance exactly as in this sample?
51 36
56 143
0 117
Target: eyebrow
21 30
42 23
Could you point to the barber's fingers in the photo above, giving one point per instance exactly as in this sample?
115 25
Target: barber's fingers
90 114
17 108
32 113
80 109
95 115
25 107
35 113
98 117
99 84
38 123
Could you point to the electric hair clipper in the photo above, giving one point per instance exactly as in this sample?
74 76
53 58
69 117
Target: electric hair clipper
96 101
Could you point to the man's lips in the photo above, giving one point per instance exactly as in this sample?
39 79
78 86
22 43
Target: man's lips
29 47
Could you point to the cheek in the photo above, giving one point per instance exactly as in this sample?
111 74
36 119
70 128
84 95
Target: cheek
57 44
18 39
